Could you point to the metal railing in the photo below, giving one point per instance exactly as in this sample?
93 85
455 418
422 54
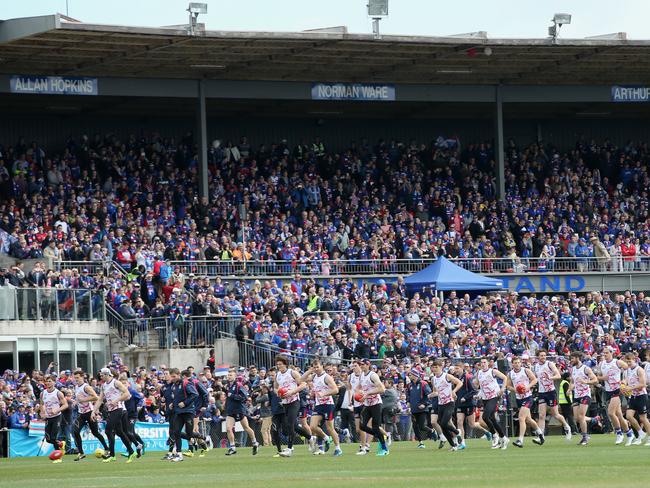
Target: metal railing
93 267
344 267
51 304
172 332
263 355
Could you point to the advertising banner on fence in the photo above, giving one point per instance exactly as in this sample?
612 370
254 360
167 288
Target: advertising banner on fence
53 85
23 442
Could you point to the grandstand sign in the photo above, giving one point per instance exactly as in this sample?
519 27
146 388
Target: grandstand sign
362 92
630 94
544 284
53 85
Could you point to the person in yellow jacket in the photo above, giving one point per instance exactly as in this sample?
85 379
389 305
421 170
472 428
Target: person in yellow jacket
565 399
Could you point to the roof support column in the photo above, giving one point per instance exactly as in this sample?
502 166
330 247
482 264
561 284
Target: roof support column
499 144
202 141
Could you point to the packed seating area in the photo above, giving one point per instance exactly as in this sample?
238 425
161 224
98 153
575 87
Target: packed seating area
135 202
131 200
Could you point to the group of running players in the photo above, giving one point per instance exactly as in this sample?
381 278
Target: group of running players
440 404
184 400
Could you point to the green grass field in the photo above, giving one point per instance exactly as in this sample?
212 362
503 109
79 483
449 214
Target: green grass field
557 463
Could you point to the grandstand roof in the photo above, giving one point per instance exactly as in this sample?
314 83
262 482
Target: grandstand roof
57 45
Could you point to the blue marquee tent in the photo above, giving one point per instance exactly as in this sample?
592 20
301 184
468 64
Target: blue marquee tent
443 275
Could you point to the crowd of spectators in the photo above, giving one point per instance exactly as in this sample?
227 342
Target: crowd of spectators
135 199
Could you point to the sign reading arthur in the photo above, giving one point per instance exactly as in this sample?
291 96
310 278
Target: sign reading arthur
53 85
631 94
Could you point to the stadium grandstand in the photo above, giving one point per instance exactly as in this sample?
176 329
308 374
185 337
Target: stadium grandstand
210 197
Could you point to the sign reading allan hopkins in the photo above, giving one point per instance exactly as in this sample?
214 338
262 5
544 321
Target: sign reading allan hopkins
361 92
53 85
637 94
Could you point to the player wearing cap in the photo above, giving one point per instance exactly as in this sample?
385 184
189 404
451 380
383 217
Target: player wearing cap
582 377
53 402
520 381
114 394
547 373
371 388
490 392
609 372
85 396
323 389
417 393
635 386
446 386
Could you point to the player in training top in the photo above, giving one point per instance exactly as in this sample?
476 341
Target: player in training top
446 386
53 402
636 386
609 372
582 377
353 385
323 389
236 411
490 392
371 388
547 373
132 405
85 396
417 394
287 385
114 394
521 380
465 405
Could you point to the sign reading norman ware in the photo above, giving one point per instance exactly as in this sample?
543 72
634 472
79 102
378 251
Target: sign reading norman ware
53 85
638 94
362 92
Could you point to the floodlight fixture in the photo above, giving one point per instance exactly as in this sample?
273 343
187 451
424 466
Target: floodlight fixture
195 9
561 19
377 9
558 21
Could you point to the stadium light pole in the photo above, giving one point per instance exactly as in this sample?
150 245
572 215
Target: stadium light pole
202 141
498 143
195 9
